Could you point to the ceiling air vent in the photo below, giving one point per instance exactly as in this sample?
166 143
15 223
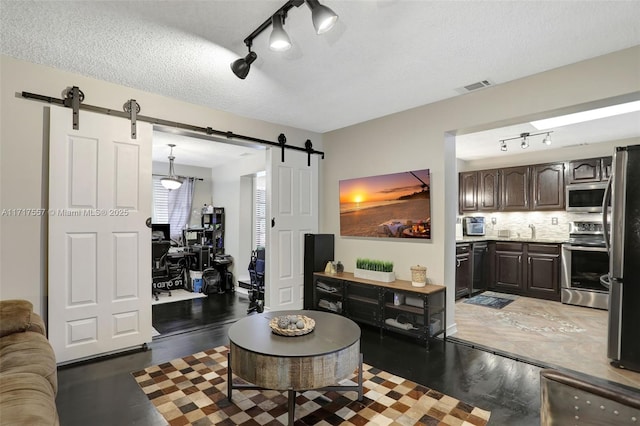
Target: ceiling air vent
474 86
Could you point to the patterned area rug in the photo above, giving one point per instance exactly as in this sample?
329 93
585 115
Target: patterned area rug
192 391
489 301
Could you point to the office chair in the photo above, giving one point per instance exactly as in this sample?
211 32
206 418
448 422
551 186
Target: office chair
159 266
256 274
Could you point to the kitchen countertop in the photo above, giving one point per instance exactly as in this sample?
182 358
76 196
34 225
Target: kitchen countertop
468 239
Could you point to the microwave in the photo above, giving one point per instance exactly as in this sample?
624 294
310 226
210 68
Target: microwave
586 197
474 226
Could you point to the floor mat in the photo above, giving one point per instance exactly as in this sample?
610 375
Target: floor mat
192 390
176 296
489 301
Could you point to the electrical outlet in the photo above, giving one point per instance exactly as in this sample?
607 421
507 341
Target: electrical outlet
554 220
494 220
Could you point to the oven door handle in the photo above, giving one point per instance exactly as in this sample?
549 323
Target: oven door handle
605 281
584 248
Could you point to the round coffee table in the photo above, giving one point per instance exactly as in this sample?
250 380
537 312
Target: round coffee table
318 360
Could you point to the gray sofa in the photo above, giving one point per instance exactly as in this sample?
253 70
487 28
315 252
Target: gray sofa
28 373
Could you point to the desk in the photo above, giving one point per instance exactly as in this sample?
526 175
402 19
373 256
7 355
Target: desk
318 360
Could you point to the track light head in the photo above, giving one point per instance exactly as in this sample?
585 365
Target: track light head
241 67
525 143
547 140
279 39
503 146
323 17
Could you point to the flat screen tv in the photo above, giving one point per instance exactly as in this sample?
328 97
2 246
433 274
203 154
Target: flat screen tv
395 205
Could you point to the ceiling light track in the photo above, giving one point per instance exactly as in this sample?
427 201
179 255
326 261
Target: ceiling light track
75 97
323 19
524 140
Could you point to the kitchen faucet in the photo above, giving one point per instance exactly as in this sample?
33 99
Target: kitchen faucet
533 231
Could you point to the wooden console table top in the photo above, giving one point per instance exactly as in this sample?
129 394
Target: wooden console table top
396 285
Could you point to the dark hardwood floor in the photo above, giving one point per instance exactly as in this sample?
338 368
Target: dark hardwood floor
103 392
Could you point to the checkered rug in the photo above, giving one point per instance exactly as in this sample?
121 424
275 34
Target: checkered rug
192 391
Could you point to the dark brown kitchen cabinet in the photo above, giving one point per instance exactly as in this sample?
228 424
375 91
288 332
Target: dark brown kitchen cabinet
488 190
527 269
463 269
589 170
468 192
547 186
514 189
543 270
508 267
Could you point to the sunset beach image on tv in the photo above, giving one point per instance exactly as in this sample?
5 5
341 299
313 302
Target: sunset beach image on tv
396 205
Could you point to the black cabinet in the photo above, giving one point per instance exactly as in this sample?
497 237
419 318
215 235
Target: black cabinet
463 269
488 190
213 229
509 267
399 307
514 189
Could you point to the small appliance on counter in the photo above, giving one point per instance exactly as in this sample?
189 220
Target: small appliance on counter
474 226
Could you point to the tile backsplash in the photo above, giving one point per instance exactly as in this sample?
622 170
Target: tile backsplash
517 223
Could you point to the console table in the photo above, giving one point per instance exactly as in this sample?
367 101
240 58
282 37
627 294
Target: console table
317 360
419 312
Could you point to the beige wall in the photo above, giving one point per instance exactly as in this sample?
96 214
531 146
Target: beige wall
24 158
415 139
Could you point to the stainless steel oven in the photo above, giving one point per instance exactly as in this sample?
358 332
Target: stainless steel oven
585 264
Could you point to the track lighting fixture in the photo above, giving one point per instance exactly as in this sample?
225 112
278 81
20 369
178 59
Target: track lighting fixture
172 181
323 19
524 140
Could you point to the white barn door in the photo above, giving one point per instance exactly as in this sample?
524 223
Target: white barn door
99 246
292 211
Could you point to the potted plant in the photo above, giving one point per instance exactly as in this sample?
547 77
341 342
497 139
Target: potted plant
375 270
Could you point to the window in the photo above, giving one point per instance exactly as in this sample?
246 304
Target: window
259 210
172 207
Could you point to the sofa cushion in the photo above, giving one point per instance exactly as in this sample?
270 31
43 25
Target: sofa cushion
15 316
27 399
28 352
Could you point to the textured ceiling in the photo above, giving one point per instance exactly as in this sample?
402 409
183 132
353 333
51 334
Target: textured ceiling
382 57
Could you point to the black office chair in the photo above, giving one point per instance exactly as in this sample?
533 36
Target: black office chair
159 266
256 274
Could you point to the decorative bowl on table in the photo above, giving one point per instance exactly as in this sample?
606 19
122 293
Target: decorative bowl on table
292 325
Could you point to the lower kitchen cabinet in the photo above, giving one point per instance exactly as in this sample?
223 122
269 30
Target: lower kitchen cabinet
418 312
527 269
543 270
463 269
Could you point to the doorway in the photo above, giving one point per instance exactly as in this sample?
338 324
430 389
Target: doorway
543 332
219 169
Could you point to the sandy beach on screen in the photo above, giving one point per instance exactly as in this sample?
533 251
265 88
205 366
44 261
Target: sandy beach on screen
364 223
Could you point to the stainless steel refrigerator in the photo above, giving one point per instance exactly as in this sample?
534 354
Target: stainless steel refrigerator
624 258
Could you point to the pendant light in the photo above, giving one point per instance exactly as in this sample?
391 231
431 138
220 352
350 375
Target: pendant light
172 181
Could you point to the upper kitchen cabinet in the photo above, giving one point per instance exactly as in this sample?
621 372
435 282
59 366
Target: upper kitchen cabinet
548 186
468 192
537 187
488 190
514 189
589 170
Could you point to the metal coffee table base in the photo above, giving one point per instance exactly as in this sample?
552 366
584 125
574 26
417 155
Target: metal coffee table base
291 393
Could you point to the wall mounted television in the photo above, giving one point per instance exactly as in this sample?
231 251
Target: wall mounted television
396 205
